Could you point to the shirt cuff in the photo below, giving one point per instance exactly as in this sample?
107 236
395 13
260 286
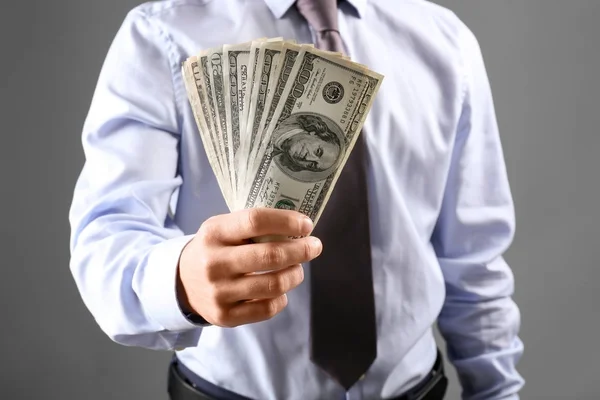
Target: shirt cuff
159 294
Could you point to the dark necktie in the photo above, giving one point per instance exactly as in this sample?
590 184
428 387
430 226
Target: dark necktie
343 329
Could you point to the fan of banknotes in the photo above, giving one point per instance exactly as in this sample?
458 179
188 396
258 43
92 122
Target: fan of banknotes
278 119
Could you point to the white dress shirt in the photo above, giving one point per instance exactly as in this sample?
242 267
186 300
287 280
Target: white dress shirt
441 210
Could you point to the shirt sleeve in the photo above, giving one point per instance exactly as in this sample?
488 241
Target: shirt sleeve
479 320
125 246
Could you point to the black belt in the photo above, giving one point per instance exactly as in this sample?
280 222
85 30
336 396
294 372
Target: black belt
183 384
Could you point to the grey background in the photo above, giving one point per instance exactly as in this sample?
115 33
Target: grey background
543 58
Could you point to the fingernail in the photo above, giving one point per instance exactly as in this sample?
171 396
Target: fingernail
307 225
316 244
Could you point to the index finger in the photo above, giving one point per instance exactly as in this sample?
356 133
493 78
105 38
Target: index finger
240 226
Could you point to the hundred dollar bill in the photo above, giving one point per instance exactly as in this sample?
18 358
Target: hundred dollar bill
252 75
242 160
212 116
253 60
286 63
266 70
192 75
236 85
216 64
314 128
266 73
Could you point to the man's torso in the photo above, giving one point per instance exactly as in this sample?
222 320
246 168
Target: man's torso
410 135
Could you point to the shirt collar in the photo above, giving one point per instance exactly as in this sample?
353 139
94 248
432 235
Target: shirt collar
280 7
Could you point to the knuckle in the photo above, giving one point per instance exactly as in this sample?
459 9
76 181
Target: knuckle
277 284
307 250
208 266
254 217
212 275
208 230
298 274
272 307
296 224
213 271
210 295
222 317
217 294
273 255
283 302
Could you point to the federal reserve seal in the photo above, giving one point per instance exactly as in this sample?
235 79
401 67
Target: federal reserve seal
333 92
285 204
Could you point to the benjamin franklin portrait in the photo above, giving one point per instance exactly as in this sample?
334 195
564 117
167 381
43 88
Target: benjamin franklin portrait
306 147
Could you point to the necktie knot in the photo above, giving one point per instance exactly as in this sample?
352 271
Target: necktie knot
322 16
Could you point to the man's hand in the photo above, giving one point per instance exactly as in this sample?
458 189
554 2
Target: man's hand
216 268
